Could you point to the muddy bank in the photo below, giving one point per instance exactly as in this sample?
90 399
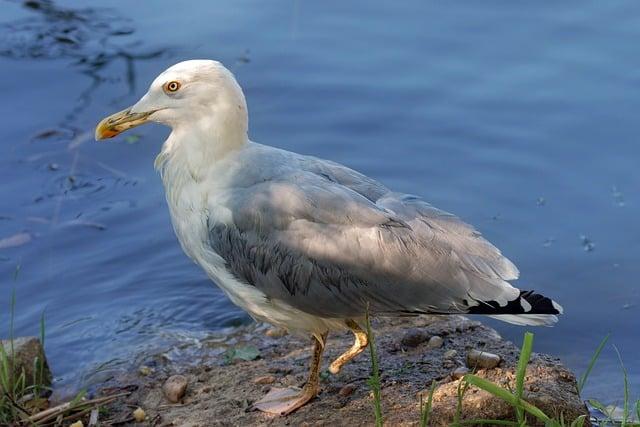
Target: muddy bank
220 391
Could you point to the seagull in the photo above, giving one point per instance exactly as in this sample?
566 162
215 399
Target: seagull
307 244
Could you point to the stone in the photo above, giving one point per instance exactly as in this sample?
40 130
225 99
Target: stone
347 390
435 342
145 371
450 354
477 359
459 372
174 388
413 338
26 350
139 415
276 332
265 379
553 395
449 363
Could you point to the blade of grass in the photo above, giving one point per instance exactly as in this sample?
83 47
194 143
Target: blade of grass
425 411
505 395
16 272
592 362
462 389
579 422
521 371
625 410
374 381
40 382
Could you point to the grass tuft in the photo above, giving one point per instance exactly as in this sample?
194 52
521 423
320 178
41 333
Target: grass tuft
13 382
425 411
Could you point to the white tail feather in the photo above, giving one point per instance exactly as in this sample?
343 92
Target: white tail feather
528 319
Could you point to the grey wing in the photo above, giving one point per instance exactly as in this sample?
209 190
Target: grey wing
331 242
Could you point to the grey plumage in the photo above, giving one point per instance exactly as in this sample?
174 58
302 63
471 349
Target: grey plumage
328 240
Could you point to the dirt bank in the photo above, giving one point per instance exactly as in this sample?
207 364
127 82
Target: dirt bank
221 390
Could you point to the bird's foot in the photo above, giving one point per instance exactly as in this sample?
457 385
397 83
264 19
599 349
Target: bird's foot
283 401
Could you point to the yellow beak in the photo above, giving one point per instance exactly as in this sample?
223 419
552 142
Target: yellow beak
119 122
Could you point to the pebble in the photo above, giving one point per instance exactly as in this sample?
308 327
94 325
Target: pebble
449 363
174 388
347 390
139 415
435 342
413 338
145 371
482 360
265 379
459 372
450 354
276 332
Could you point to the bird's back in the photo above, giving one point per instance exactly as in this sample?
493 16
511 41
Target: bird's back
330 241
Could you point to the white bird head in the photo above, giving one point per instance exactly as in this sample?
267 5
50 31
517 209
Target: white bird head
200 97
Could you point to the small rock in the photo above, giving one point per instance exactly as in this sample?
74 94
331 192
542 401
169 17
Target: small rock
554 396
26 352
139 415
477 359
435 342
276 332
174 388
413 338
265 379
145 371
448 363
279 370
450 354
77 424
347 390
459 372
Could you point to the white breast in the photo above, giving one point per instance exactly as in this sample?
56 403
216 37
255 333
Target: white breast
194 202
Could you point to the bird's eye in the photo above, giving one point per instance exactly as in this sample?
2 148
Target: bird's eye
172 86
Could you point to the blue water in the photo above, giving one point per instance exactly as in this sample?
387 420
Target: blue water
522 118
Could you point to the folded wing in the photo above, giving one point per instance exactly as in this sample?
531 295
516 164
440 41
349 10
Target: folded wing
330 241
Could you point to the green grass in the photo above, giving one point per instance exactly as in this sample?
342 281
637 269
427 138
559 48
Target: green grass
525 412
425 410
592 362
13 383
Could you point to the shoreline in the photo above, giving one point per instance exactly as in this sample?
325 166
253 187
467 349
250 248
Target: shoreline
220 390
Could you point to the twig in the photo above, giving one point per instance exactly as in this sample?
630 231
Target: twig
93 418
71 405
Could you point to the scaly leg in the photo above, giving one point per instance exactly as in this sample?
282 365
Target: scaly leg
283 401
360 343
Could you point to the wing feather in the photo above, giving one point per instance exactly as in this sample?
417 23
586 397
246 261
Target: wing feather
330 241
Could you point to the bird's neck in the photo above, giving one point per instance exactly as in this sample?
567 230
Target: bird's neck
195 146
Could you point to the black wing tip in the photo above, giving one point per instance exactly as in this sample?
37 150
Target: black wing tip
527 302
